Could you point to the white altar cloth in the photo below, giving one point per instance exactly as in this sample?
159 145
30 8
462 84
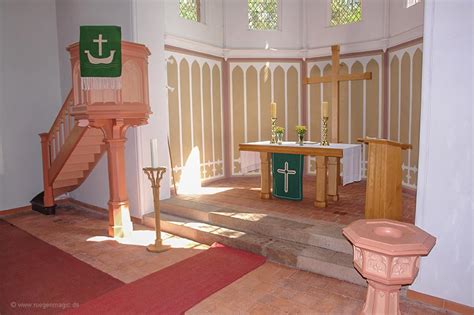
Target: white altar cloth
351 160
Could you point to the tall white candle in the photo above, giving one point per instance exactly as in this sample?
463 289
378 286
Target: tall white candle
325 109
274 110
154 152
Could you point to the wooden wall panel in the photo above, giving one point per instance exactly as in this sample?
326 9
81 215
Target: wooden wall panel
279 96
251 95
357 105
218 150
238 117
415 114
405 105
265 100
314 113
372 101
196 102
173 108
207 120
251 107
195 112
292 102
186 109
394 99
327 92
344 106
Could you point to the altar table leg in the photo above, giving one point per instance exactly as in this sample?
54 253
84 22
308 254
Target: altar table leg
321 182
333 178
265 175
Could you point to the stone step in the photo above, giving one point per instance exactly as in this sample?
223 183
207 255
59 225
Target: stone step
305 257
322 234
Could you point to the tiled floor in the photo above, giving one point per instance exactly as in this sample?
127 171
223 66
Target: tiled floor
269 289
83 234
245 192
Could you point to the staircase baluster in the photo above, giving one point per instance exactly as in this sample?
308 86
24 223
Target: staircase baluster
66 123
53 151
61 135
56 144
71 118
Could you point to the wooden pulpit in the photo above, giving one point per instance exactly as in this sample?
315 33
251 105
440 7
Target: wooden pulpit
384 179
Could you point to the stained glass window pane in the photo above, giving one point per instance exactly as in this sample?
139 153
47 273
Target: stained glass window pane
190 10
345 11
263 14
410 3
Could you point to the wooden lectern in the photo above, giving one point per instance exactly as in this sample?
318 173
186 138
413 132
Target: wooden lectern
384 179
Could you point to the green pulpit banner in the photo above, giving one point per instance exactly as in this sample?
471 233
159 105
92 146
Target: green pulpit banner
287 170
100 55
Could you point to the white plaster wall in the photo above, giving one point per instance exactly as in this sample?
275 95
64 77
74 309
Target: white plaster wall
320 34
445 182
30 95
304 24
403 19
208 31
149 29
71 14
237 35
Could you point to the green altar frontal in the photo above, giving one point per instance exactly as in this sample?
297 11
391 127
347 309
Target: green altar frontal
287 170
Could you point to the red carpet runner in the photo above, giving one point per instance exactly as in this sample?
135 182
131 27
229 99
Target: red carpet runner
179 287
36 277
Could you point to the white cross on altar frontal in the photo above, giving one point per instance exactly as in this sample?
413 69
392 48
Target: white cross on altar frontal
286 172
100 41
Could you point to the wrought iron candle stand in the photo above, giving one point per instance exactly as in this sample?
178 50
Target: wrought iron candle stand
155 174
324 140
273 130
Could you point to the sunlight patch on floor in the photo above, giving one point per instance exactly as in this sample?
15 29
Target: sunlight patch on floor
205 191
245 216
190 182
147 237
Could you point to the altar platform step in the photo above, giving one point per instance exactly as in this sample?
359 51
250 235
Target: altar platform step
317 233
283 241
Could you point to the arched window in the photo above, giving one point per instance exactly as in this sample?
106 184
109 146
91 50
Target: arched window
190 10
345 12
263 14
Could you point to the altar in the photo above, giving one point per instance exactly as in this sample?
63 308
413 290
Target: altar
349 153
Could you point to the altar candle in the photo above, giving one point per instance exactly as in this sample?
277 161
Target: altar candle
325 109
274 110
154 152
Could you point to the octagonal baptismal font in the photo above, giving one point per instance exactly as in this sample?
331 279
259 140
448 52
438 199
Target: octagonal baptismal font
387 253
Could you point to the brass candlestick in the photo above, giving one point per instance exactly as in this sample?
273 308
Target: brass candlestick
273 130
324 140
155 174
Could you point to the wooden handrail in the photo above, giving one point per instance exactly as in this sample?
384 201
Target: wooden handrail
58 145
62 112
63 155
61 128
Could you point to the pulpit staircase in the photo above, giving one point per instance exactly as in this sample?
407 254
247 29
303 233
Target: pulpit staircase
70 153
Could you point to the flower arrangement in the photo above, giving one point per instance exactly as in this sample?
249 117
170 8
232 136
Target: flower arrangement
300 130
279 130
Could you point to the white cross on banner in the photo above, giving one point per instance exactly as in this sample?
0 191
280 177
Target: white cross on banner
286 172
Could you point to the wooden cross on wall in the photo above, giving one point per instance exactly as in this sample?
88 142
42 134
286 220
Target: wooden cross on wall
334 78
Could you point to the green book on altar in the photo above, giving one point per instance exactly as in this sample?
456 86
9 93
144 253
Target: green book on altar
287 171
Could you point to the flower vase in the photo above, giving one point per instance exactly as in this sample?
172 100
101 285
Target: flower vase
300 138
279 137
